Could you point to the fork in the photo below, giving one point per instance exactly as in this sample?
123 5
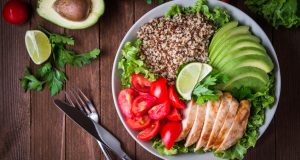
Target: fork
86 107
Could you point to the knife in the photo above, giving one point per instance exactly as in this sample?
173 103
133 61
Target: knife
93 128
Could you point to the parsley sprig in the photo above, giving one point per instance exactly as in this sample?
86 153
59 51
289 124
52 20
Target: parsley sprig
207 89
50 73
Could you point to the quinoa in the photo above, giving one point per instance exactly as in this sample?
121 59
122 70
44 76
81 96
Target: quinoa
171 42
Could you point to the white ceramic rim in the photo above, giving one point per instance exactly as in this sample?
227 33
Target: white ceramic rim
265 41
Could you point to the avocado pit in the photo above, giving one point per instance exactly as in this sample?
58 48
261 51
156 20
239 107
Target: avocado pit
74 10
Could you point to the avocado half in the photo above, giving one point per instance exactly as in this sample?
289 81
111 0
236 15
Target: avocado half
71 14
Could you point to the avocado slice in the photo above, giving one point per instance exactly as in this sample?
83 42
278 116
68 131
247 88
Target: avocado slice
263 62
238 53
71 14
221 31
228 44
227 36
252 77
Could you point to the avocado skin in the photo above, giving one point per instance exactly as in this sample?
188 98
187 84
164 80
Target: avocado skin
45 10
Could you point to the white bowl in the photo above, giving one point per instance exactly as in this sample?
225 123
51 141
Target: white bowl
238 15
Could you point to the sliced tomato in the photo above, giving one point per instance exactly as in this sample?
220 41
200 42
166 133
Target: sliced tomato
139 123
142 104
125 99
140 83
174 115
174 99
159 89
149 132
159 111
169 133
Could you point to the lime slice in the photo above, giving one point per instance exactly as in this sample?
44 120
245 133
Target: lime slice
206 69
38 46
187 79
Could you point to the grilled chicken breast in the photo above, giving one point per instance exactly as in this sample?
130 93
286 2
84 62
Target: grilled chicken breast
227 124
210 116
220 119
189 115
238 127
195 132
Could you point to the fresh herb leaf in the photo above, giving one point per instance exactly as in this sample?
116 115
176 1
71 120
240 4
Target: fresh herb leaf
49 73
56 79
217 15
29 81
131 63
206 89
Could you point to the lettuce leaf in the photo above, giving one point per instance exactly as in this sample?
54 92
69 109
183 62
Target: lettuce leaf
130 63
284 13
217 15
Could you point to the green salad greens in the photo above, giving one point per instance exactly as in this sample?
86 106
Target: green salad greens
131 63
217 15
284 13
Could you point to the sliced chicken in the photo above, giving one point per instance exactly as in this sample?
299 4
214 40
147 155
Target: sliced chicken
238 127
227 124
210 116
220 119
189 115
195 132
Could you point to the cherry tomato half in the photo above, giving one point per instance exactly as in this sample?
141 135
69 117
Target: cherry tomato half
15 12
142 104
139 123
169 133
159 89
159 111
174 100
174 115
149 132
140 83
125 99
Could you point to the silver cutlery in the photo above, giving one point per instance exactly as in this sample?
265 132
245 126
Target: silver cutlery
83 114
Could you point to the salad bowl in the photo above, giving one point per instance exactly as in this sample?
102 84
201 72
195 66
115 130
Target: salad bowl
159 11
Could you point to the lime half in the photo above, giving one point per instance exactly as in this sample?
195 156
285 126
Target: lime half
38 46
187 79
205 70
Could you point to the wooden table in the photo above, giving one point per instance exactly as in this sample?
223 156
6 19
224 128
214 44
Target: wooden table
32 128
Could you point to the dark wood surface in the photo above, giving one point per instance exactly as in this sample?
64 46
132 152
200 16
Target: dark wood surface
32 128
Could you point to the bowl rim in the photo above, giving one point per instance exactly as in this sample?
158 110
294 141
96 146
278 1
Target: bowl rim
272 54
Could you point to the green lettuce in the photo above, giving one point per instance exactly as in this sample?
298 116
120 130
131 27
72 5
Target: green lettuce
284 13
217 15
131 63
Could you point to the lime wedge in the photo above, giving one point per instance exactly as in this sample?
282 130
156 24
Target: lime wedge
187 79
38 46
206 69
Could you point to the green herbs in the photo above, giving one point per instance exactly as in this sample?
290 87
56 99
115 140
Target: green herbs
284 13
206 89
50 73
131 63
259 102
217 15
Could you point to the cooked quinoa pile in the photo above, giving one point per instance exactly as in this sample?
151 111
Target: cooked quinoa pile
171 42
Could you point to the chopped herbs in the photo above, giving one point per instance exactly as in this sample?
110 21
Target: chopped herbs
50 73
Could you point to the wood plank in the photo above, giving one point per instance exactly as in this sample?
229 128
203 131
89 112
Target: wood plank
141 7
15 104
117 20
47 122
80 144
286 43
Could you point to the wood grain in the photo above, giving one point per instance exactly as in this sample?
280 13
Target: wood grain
34 129
14 103
79 143
47 122
117 20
